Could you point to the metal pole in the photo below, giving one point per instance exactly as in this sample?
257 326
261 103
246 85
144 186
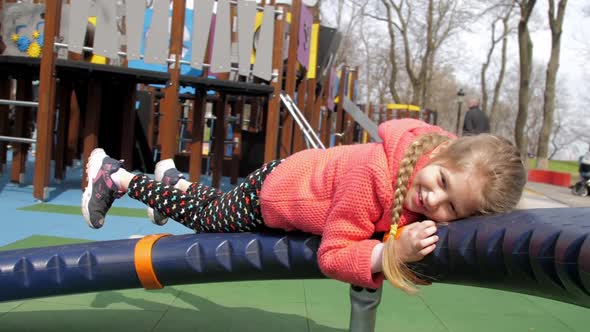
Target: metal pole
17 139
460 95
19 103
363 308
458 116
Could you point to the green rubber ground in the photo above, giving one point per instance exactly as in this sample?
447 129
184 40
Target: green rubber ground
75 210
304 305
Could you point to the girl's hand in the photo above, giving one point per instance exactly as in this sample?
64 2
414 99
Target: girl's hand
416 241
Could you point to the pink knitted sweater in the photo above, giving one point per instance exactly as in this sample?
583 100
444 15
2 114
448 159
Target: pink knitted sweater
344 194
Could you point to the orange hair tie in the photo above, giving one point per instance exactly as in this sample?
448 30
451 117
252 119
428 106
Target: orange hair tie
143 261
394 231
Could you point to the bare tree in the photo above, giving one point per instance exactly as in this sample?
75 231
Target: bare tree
422 27
347 14
525 46
555 23
503 17
374 61
563 133
535 107
392 54
567 130
443 87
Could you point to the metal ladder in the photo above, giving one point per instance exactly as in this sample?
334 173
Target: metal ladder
310 135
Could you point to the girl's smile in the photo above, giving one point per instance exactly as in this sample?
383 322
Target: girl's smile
419 199
442 194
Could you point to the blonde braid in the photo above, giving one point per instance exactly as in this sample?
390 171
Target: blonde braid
394 269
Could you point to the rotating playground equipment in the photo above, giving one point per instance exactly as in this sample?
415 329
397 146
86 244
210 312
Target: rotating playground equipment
538 252
542 252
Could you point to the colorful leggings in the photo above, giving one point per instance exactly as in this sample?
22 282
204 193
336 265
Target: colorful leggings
203 208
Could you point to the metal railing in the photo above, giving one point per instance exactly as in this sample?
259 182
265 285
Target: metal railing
312 139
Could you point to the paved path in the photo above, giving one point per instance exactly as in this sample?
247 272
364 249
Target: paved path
540 195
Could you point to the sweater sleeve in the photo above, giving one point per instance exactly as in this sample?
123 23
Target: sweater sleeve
346 247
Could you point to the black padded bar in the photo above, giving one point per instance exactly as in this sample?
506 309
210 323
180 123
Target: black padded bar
543 252
228 87
16 66
86 70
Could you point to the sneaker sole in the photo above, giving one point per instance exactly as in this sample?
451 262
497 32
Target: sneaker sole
161 167
92 167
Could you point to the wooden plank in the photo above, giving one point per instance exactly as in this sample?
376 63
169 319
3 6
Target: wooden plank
265 54
156 42
196 145
327 117
340 125
65 97
153 116
134 22
218 143
128 115
312 107
218 156
91 122
255 116
78 21
353 78
299 142
221 58
5 85
237 110
73 130
169 107
246 20
46 111
106 42
371 115
273 104
202 15
290 81
311 112
24 91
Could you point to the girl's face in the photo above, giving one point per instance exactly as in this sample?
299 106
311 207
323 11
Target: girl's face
442 194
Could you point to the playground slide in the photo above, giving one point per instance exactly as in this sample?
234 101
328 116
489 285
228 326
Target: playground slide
544 252
361 118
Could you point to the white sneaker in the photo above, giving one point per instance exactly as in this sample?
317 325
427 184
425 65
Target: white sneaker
166 173
101 191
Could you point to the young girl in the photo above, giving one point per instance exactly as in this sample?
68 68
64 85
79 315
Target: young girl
346 194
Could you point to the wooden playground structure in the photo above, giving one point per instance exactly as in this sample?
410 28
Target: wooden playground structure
112 74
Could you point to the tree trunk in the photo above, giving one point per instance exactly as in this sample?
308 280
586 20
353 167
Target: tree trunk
549 96
498 86
484 68
525 46
392 55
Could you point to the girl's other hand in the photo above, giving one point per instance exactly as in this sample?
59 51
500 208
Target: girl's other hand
416 241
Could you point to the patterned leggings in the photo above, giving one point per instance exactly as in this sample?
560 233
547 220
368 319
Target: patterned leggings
203 208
